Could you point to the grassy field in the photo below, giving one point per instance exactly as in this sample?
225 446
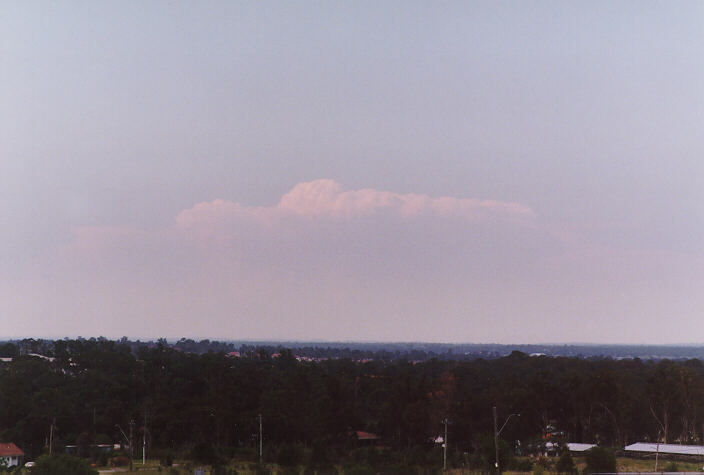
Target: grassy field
626 464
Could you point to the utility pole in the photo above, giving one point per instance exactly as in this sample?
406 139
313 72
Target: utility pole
131 444
260 438
51 434
496 442
444 454
144 440
660 431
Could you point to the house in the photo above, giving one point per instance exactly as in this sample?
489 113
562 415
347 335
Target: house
10 454
50 359
366 438
551 448
99 448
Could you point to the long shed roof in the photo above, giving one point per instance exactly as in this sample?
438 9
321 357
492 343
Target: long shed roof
578 447
572 446
651 447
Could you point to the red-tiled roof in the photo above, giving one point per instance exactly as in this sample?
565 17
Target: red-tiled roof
8 449
361 435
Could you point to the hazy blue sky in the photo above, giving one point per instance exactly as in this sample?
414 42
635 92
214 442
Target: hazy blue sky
447 171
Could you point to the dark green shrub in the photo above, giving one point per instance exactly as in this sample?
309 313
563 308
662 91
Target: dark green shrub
417 455
260 469
521 465
62 465
248 454
204 453
544 463
319 457
289 455
671 467
600 460
565 464
167 459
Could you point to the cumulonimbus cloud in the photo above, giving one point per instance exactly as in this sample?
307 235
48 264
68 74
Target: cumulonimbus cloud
326 198
318 226
325 262
319 253
320 220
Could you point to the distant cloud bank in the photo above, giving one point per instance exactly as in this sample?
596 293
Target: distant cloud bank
329 263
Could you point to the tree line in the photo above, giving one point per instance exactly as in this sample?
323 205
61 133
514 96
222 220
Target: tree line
209 404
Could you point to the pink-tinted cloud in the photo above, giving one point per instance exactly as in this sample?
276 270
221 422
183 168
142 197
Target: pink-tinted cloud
326 198
319 221
325 262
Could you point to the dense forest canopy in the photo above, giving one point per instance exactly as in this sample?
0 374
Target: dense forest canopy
191 398
412 351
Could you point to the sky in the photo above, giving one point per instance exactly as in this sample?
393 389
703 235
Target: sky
449 171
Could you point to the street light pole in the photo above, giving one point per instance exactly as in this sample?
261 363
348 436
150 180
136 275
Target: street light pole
260 438
444 454
129 441
496 443
496 436
131 444
51 434
144 440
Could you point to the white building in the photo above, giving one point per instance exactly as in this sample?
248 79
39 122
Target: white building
670 449
11 454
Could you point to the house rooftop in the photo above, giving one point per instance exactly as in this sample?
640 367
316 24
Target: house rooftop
8 449
361 435
572 446
579 447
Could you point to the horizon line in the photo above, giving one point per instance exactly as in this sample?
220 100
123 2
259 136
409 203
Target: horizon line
351 341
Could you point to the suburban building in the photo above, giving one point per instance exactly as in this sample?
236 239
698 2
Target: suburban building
10 454
647 448
579 447
575 447
367 438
